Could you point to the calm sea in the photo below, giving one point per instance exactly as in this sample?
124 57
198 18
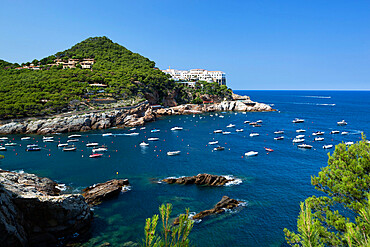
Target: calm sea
273 183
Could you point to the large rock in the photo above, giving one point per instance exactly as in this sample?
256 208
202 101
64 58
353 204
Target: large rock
200 179
32 213
97 193
225 203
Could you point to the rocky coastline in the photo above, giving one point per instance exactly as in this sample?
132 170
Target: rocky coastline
200 179
135 116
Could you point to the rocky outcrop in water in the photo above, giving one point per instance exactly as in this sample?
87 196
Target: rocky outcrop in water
97 193
225 203
200 179
33 213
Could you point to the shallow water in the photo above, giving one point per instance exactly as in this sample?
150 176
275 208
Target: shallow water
273 184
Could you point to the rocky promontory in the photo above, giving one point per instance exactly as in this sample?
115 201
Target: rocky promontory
34 213
200 179
97 193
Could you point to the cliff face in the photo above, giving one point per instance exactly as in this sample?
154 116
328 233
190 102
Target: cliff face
32 213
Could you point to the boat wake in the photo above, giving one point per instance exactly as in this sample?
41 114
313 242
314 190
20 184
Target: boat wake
317 97
298 103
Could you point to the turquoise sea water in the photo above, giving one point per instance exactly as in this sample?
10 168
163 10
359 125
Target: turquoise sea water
272 184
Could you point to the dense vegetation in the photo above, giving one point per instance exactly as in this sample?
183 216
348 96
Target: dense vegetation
50 90
342 216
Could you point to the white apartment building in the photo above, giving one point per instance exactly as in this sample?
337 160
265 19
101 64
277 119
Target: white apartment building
197 75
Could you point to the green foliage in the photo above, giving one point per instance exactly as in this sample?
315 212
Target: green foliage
172 236
197 100
2 156
346 183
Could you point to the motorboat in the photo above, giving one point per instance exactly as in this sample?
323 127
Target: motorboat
239 130
107 134
92 144
299 136
269 149
25 138
318 139
142 128
217 131
297 120
259 121
144 144
176 128
153 139
132 129
257 125
279 138
334 132
300 131
32 149
341 123
305 146
230 126
318 133
279 132
213 143
2 148
132 134
73 140
327 146
95 155
349 143
219 148
32 146
253 134
47 137
226 133
221 116
100 149
155 130
62 145
48 140
253 123
4 138
297 140
10 144
173 153
251 153
247 122
344 133
69 148
74 136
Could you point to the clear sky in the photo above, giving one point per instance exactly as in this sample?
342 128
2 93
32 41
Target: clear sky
258 44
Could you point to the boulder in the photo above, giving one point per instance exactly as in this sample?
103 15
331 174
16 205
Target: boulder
200 179
97 193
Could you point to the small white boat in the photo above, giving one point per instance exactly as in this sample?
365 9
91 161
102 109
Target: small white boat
32 146
259 121
47 137
300 131
155 130
107 134
341 123
4 138
251 153
132 129
48 140
62 145
95 155
344 133
319 139
153 139
69 148
297 120
279 138
253 134
334 132
92 144
10 144
73 140
247 122
2 148
297 140
327 146
132 134
279 132
306 146
217 131
173 153
74 136
226 133
213 143
318 133
221 116
219 148
144 144
101 149
25 138
230 126
211 115
176 128
299 136
239 130
349 143
253 123
142 128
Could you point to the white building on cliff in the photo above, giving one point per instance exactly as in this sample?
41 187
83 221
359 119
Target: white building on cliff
197 75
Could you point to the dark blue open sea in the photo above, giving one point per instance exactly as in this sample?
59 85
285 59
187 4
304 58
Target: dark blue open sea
272 184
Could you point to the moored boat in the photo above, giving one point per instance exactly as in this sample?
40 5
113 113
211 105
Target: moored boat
297 120
100 149
247 122
318 133
74 136
107 134
173 153
153 139
297 140
32 149
132 134
334 132
318 139
226 133
279 132
279 138
349 143
62 145
344 133
92 144
327 146
25 138
69 148
95 155
176 128
300 130
4 138
341 123
305 146
213 143
144 144
219 148
253 134
10 144
155 130
230 126
269 149
2 148
73 140
239 130
217 131
299 136
251 153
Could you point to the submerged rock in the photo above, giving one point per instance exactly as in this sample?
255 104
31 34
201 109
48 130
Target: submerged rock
97 193
200 179
32 213
225 203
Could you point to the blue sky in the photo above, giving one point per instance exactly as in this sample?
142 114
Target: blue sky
259 44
